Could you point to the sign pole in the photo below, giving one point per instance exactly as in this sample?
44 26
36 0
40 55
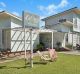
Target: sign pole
31 49
52 39
24 35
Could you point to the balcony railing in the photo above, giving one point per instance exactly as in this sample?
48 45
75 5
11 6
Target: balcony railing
65 22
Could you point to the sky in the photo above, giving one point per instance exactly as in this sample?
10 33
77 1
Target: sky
43 8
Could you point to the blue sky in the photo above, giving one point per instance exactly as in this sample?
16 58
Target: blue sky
43 8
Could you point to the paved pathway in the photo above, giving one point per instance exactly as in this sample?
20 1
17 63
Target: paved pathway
71 52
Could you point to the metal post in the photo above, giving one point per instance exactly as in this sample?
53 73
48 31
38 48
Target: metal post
52 40
31 48
24 35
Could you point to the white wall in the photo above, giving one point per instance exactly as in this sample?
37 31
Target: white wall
5 22
15 23
17 37
17 40
77 18
46 38
55 20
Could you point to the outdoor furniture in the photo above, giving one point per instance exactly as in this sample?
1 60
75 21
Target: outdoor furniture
53 54
43 57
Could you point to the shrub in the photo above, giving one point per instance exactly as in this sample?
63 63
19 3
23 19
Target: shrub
39 47
58 44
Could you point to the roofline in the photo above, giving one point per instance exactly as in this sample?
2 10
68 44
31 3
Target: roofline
59 13
12 15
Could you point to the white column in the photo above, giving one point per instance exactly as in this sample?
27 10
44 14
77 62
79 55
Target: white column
64 41
52 40
77 39
72 40
31 48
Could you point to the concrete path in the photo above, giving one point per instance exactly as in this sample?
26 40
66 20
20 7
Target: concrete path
75 52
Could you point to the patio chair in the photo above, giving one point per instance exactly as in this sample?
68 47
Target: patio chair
53 54
43 57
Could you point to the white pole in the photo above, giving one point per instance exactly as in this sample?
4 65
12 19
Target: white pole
72 40
52 40
24 34
31 48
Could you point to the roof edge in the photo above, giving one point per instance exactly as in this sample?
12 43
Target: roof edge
10 14
60 13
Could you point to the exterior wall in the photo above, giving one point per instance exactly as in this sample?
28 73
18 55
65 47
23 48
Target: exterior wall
75 37
17 37
4 24
6 39
58 37
14 39
55 20
76 22
17 40
15 23
47 40
53 23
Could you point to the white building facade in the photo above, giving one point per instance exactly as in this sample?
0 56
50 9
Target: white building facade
67 24
12 34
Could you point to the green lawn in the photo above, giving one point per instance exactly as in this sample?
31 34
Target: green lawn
65 64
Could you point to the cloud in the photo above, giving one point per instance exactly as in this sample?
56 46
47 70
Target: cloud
41 17
63 3
15 13
52 8
3 4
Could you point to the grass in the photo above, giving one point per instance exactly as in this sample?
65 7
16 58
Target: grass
65 64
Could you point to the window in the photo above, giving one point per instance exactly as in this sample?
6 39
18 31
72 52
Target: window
75 23
62 20
66 37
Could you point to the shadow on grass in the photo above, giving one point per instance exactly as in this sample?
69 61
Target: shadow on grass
6 67
2 67
25 66
42 62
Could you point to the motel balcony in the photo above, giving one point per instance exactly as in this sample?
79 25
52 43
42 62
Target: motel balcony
66 22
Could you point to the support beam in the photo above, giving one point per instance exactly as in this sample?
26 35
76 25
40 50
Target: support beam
24 35
31 48
52 40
